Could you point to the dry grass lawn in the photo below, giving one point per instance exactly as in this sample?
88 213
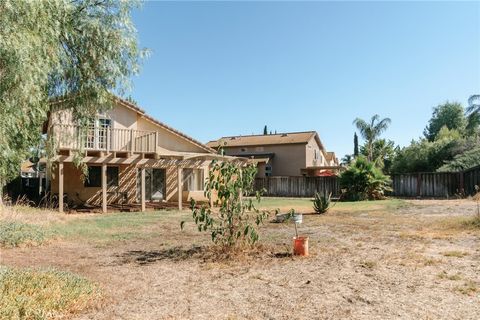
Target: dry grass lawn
389 259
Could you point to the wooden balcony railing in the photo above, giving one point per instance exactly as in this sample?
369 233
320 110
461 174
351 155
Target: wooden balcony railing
107 139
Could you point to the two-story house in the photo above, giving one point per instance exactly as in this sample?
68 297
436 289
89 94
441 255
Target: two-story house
283 154
131 158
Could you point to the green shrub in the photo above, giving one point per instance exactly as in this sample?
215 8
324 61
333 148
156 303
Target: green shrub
42 293
363 181
13 233
321 204
237 219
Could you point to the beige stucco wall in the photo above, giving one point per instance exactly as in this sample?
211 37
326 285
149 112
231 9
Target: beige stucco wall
166 139
312 145
288 159
122 117
76 191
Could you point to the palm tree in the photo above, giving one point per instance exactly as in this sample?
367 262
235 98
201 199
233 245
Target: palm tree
370 131
473 112
474 104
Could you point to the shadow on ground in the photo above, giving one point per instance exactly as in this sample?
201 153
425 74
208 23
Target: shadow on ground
202 253
143 257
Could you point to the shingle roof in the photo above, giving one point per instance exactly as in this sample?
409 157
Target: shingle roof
261 140
330 155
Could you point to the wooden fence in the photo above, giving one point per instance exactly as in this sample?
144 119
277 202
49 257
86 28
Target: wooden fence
298 186
436 184
427 185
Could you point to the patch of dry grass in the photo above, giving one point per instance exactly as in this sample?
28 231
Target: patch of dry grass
469 287
14 234
453 277
455 253
43 293
368 264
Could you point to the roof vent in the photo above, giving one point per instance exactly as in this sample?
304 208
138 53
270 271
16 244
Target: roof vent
283 135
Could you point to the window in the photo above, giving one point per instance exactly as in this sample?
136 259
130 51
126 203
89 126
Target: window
193 180
95 177
268 170
112 176
96 137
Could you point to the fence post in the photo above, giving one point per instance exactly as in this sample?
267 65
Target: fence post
461 187
419 185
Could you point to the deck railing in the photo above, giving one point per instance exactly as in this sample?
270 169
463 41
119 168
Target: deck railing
74 137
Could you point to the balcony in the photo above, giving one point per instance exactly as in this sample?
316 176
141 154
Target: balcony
107 139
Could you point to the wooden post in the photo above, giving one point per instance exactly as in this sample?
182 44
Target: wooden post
180 187
107 137
60 186
240 190
104 187
40 181
131 141
207 172
143 188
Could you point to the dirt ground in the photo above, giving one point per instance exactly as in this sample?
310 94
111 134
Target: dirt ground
407 260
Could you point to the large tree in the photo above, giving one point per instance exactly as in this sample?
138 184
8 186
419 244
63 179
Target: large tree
74 52
371 131
450 115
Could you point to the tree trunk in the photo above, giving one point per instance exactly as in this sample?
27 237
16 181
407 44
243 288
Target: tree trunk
1 193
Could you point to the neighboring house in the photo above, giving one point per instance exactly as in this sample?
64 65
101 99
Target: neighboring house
284 154
127 151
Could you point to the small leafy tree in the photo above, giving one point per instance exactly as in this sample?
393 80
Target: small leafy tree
362 180
321 203
237 219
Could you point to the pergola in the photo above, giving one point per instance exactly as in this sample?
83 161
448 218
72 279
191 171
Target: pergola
173 159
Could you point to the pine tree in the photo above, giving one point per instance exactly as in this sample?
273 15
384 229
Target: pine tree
355 145
265 130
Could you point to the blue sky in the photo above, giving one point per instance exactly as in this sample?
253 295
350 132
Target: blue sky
229 68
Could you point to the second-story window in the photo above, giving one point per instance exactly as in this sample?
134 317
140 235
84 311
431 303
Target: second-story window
97 138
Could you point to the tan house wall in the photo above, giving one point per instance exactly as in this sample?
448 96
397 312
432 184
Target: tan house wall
288 159
76 191
312 145
166 139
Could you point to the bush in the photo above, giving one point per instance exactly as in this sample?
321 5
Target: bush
237 218
13 233
42 293
321 204
363 181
